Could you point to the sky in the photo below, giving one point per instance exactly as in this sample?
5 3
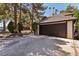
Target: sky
58 6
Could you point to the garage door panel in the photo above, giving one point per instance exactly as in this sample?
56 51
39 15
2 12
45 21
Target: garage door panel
54 30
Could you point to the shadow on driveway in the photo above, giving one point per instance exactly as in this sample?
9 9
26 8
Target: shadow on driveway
35 46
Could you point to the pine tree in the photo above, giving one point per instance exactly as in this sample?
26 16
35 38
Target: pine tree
4 11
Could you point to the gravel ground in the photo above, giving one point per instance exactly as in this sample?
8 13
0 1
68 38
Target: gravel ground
31 45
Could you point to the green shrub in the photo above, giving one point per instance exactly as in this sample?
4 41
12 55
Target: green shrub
34 26
11 27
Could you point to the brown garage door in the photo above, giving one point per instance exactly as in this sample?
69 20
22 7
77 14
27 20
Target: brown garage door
58 30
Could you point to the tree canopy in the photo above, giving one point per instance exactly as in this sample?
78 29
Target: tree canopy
21 12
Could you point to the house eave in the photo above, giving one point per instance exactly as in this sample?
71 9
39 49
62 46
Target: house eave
55 22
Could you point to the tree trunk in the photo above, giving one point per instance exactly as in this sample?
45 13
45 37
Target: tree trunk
20 13
4 26
15 17
19 19
32 17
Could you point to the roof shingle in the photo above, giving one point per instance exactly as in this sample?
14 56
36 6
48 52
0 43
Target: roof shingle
57 18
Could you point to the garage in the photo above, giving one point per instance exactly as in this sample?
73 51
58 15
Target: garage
58 30
59 26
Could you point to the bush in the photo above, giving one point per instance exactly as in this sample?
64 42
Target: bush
11 27
34 26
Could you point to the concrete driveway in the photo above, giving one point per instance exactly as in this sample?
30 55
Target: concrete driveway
31 45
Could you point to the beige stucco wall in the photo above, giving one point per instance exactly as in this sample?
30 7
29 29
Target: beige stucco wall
70 29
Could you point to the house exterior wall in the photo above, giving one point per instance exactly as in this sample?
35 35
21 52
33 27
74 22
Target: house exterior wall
38 29
70 29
